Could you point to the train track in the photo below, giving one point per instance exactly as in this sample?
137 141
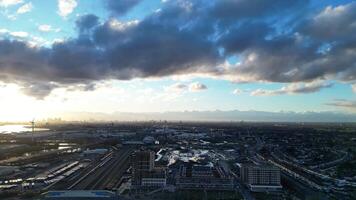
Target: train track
105 173
113 172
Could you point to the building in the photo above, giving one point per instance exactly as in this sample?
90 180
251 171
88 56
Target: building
80 195
145 174
143 161
260 178
154 179
202 171
95 151
148 140
199 177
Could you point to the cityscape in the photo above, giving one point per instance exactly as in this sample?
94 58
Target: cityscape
179 160
177 100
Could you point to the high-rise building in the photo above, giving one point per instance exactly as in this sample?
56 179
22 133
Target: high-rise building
143 161
145 174
261 177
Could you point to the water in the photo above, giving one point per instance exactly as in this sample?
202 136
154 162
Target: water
6 129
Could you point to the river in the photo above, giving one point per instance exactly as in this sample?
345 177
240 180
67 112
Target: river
7 129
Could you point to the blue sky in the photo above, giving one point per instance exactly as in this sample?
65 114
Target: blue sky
176 55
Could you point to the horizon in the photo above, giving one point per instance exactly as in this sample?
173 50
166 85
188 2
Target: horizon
76 59
250 116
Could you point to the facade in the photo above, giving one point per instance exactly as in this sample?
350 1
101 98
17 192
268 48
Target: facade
80 195
143 161
199 177
202 171
145 174
154 179
261 177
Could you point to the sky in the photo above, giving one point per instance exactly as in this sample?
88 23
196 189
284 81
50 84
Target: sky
141 56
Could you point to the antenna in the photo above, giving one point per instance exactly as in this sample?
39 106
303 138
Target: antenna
33 128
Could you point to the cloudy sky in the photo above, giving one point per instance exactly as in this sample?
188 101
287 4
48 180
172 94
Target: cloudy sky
110 56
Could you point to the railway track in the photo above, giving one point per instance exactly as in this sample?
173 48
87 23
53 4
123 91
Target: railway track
106 173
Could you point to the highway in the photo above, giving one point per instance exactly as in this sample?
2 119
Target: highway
106 174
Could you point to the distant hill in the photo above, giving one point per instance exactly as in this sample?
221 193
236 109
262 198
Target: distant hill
234 115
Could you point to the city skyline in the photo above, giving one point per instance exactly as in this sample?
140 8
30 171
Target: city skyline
67 58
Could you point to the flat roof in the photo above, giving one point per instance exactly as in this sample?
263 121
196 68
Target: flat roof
80 193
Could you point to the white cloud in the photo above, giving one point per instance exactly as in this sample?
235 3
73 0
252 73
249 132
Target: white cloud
44 28
353 86
237 91
47 28
3 31
7 3
25 8
293 88
122 26
66 7
20 34
194 87
180 87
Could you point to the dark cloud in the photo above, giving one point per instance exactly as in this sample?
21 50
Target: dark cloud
332 23
86 22
121 7
244 36
322 46
239 9
187 37
38 90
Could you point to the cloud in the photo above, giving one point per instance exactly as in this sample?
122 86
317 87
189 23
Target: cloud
177 87
195 38
230 10
38 90
121 7
25 8
294 88
7 3
66 7
195 87
336 22
4 31
86 22
353 87
343 103
19 34
47 28
237 91
299 56
180 87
